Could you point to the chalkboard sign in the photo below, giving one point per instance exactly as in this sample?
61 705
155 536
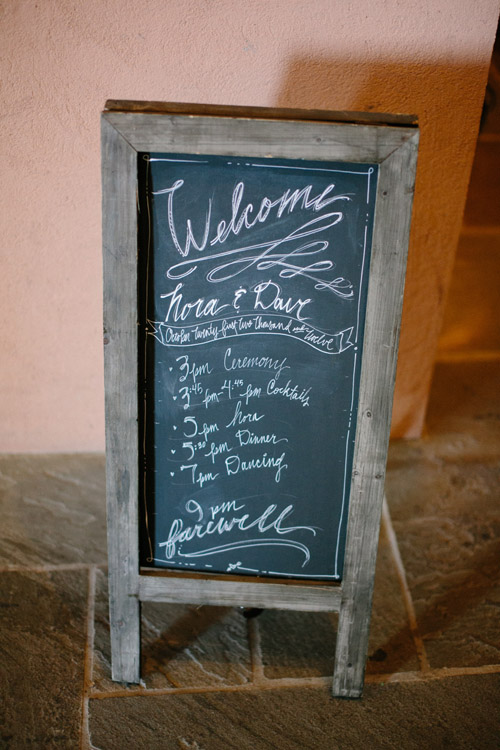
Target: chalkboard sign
254 265
257 275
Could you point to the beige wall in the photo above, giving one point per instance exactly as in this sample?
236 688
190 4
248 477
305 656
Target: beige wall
61 60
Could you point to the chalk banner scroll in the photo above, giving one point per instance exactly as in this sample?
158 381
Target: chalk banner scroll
253 321
254 264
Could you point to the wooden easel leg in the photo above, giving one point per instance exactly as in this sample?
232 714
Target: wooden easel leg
124 620
355 611
351 648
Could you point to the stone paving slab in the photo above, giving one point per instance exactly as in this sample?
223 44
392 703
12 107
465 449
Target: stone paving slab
297 644
42 645
462 715
180 645
448 529
302 644
443 495
53 510
444 498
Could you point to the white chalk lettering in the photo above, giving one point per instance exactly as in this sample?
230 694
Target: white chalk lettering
292 393
268 297
240 418
264 523
180 310
248 363
234 464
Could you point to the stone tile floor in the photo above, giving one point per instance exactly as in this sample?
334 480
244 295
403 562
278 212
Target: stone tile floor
212 679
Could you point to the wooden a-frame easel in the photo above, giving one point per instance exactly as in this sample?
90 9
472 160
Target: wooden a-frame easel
129 128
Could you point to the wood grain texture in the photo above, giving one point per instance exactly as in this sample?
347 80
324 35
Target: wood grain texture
120 364
383 316
170 128
240 594
266 113
286 139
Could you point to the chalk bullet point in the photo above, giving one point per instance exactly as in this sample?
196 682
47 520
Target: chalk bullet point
172 451
172 473
175 398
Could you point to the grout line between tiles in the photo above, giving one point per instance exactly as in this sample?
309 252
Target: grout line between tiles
285 683
85 742
50 568
410 609
255 651
251 687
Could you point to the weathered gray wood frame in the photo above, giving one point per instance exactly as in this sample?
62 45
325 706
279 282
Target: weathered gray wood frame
391 142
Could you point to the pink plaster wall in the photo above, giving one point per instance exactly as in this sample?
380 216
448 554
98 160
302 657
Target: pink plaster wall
61 60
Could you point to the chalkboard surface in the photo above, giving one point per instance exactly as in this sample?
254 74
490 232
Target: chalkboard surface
252 286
